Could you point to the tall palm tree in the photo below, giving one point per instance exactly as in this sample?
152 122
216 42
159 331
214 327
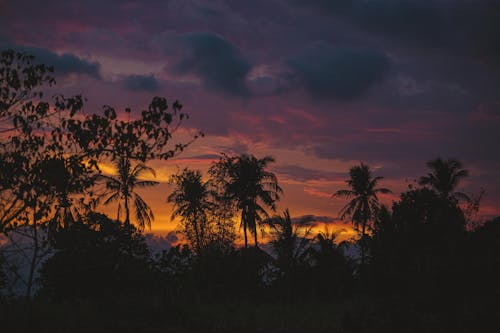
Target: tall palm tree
444 177
122 188
192 201
253 188
363 203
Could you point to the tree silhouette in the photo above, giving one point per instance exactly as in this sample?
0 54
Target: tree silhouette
363 203
122 188
444 177
49 152
289 241
331 269
246 181
96 257
31 137
192 201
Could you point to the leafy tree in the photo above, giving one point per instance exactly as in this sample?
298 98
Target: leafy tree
420 244
444 177
146 137
363 203
32 139
192 202
122 188
48 156
247 182
482 272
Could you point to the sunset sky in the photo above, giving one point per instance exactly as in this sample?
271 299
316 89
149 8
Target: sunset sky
319 85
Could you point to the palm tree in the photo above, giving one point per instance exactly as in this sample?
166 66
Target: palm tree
331 268
289 241
191 200
444 177
363 203
122 186
327 246
247 182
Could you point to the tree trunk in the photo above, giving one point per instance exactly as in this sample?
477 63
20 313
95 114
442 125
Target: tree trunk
196 234
254 226
65 204
243 220
127 212
363 239
34 258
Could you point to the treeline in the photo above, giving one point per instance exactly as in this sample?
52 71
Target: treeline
421 267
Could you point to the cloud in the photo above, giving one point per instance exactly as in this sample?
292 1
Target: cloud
141 83
307 219
396 18
305 174
419 20
157 243
208 157
471 28
317 193
338 72
64 64
213 59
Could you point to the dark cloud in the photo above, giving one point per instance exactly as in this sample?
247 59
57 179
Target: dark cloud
214 60
312 220
64 64
469 27
338 72
419 20
203 157
141 83
306 174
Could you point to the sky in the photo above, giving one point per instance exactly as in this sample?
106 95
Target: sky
319 85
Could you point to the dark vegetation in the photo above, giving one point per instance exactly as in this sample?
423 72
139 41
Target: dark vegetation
422 268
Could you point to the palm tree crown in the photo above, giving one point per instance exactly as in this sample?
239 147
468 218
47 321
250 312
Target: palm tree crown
444 177
122 186
363 194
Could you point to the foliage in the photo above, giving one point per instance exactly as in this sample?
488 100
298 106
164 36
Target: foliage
96 258
192 200
363 204
122 188
33 147
289 242
246 182
444 177
49 152
332 271
418 243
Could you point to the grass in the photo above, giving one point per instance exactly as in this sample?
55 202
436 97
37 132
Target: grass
141 315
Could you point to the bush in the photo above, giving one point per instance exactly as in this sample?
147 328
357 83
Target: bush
96 258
